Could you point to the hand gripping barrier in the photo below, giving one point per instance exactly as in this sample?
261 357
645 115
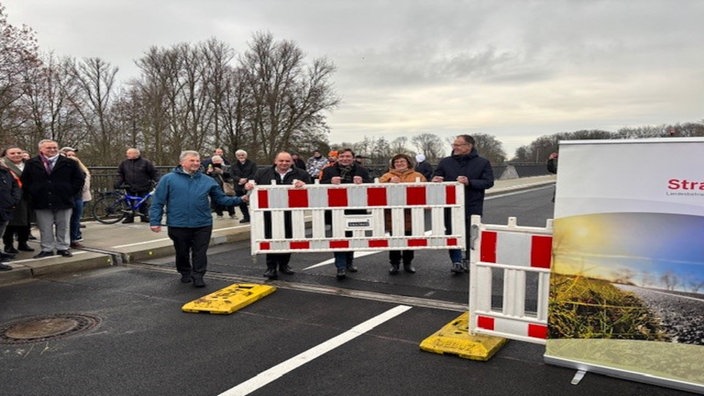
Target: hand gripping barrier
344 217
523 257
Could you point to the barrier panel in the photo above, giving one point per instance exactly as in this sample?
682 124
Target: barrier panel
522 256
344 217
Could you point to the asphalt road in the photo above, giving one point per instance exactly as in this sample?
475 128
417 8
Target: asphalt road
313 336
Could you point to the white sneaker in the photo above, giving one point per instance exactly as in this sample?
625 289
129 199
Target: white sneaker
457 268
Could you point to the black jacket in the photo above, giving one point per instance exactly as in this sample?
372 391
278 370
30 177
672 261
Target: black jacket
479 172
239 170
139 173
264 176
10 194
56 190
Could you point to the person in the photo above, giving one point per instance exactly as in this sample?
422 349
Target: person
282 172
137 175
401 171
187 193
217 152
552 168
465 166
342 171
298 162
21 220
79 201
422 166
220 172
242 171
315 164
10 196
52 182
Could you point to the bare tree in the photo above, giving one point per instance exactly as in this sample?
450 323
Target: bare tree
429 145
18 56
287 98
93 97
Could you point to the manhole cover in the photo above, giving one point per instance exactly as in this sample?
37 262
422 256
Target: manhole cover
43 328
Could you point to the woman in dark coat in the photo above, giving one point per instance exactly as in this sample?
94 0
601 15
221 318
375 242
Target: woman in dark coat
22 215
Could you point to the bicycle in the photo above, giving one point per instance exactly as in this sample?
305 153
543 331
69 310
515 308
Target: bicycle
114 206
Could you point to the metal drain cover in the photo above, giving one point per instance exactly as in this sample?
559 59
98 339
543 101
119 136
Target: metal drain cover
44 328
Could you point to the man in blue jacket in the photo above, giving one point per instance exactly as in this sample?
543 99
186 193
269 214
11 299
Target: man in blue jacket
475 173
185 192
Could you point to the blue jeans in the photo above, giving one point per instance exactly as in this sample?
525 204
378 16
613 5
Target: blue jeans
75 222
343 259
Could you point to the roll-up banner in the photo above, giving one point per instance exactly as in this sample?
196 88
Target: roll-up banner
627 287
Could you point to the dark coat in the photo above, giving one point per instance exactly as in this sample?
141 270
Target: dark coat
479 172
10 194
239 170
425 168
22 215
56 190
139 173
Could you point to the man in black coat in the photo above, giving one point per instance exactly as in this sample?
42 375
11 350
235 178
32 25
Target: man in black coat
283 172
345 170
52 182
242 170
139 175
475 173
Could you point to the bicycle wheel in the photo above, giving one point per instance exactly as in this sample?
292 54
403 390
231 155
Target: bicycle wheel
109 209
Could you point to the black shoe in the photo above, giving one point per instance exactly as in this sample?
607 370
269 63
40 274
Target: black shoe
25 248
341 274
6 256
198 282
351 268
5 267
244 221
285 269
186 278
11 250
271 273
394 269
43 254
76 245
409 268
64 253
127 221
145 220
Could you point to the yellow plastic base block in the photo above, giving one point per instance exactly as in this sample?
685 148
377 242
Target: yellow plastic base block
454 339
230 299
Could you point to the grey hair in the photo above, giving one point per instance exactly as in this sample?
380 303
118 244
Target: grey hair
216 158
240 151
41 142
188 153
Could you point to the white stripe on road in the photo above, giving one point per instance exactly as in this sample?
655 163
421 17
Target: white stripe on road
168 239
283 368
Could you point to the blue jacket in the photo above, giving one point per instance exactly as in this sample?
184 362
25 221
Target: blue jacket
479 172
187 199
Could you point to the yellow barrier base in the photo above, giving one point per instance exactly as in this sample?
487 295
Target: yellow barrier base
454 339
230 299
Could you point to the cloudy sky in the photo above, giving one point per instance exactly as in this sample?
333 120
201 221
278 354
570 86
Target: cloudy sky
515 69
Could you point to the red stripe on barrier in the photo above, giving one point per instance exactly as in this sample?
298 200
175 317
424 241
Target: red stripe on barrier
450 195
488 248
263 199
339 244
264 245
541 251
417 242
485 322
300 245
297 198
337 197
451 241
378 243
537 331
376 196
415 196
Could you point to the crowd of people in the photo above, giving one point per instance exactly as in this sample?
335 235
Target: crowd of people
51 189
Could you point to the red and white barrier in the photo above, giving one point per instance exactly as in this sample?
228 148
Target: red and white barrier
523 255
310 233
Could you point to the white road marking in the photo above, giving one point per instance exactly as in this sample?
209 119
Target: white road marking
283 368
